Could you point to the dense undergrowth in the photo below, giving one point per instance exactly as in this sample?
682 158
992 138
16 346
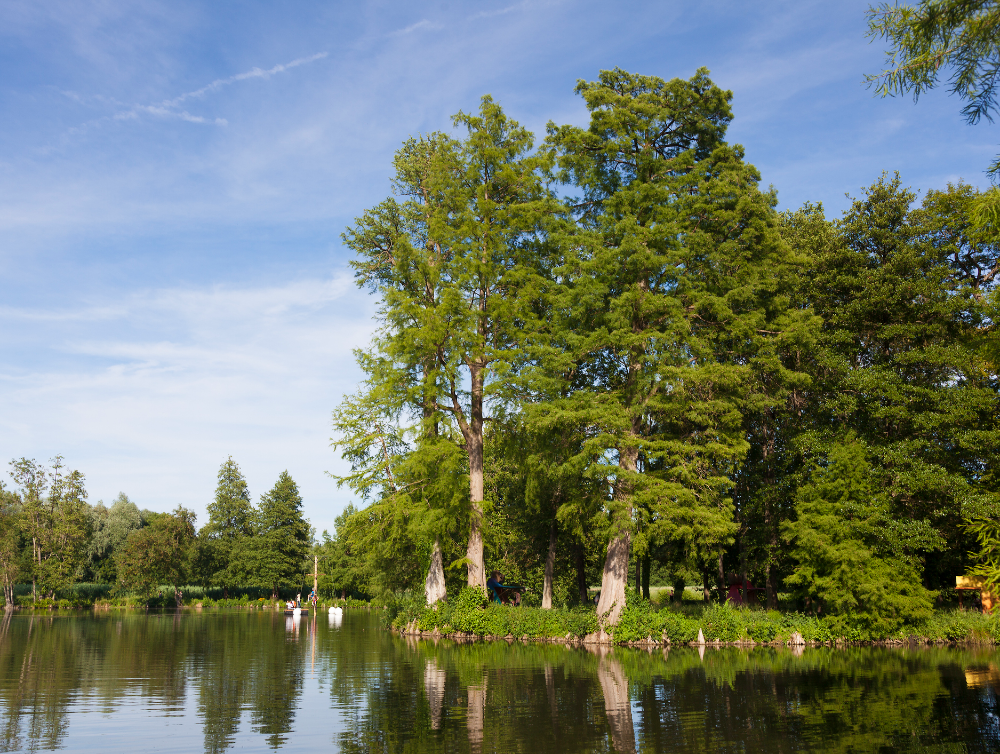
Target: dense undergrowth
641 619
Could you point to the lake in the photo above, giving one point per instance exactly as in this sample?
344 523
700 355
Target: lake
258 681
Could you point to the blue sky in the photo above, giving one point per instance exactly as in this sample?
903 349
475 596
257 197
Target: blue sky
175 176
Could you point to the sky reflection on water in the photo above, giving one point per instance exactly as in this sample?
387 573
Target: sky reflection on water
214 681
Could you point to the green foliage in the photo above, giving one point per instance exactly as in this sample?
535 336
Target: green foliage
986 560
54 519
11 542
272 556
110 528
935 36
156 554
230 518
470 613
842 525
230 514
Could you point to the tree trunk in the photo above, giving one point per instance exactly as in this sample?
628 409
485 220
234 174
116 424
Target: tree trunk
722 578
474 444
550 567
645 576
316 575
772 527
638 575
615 577
434 588
706 590
581 573
679 590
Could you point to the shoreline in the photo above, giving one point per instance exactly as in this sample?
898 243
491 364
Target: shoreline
603 639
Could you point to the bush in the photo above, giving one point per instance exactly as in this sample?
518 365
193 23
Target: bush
470 613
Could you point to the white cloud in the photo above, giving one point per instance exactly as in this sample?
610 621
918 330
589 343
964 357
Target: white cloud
151 394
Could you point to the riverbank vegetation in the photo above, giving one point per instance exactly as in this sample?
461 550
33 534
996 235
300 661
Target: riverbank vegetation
643 621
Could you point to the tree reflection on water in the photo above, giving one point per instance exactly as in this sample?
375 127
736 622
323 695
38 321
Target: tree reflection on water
385 693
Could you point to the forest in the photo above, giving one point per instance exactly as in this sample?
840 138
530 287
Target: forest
52 538
609 359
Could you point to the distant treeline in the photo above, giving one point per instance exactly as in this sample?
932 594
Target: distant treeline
610 357
51 537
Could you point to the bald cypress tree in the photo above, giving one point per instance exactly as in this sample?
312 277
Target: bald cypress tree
446 265
665 298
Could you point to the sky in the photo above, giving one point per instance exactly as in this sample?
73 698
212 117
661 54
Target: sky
175 177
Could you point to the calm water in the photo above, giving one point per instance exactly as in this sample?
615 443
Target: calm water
258 681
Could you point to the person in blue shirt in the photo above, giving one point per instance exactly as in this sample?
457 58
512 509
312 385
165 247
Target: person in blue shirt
495 585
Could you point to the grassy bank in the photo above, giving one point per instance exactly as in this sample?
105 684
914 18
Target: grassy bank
104 596
641 620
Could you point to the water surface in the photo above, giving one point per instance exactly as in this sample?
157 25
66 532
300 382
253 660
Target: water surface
213 681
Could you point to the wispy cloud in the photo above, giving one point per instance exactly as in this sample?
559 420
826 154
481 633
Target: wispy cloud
168 108
497 12
421 24
253 73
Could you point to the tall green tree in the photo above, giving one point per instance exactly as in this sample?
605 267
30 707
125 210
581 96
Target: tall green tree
230 518
273 555
55 520
445 264
344 569
665 295
901 299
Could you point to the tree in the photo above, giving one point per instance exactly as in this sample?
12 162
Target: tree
230 517
962 36
445 264
158 553
663 299
343 569
11 541
901 295
57 523
272 556
839 543
110 528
